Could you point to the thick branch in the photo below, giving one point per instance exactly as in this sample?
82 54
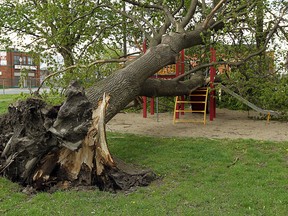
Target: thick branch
159 87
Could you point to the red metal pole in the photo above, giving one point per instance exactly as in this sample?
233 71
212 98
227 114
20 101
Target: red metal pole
212 77
177 74
182 64
144 97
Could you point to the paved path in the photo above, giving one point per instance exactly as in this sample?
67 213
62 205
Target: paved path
17 90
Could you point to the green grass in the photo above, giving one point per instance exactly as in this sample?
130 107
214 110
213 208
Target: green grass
198 177
5 100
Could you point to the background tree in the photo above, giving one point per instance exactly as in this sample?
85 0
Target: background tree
78 31
67 145
261 75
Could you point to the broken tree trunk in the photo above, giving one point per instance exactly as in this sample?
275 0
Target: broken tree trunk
52 147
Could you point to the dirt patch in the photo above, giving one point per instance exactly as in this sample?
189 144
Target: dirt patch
227 124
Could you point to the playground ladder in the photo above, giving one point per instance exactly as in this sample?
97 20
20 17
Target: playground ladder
197 99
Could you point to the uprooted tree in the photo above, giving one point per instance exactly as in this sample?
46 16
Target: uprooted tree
60 146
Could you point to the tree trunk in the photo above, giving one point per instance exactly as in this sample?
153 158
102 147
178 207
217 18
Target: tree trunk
126 84
58 147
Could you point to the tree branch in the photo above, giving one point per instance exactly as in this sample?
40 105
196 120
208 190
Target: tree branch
102 30
102 61
148 6
86 14
238 63
274 29
170 17
178 8
162 30
161 87
190 13
212 13
134 20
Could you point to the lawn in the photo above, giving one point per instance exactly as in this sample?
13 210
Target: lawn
196 177
5 100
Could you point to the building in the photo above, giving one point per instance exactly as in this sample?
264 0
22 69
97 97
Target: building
18 69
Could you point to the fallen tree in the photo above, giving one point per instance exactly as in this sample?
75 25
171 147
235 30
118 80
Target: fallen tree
66 146
50 147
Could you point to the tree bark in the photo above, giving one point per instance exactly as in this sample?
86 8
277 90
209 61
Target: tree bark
159 87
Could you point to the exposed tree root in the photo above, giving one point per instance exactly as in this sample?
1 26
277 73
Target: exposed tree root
52 148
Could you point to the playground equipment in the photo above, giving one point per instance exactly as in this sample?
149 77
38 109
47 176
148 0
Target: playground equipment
168 72
212 99
269 113
178 69
202 94
197 103
202 98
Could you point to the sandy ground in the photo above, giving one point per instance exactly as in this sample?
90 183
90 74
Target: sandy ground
227 124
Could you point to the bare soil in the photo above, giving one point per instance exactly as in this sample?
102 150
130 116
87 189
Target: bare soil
227 124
